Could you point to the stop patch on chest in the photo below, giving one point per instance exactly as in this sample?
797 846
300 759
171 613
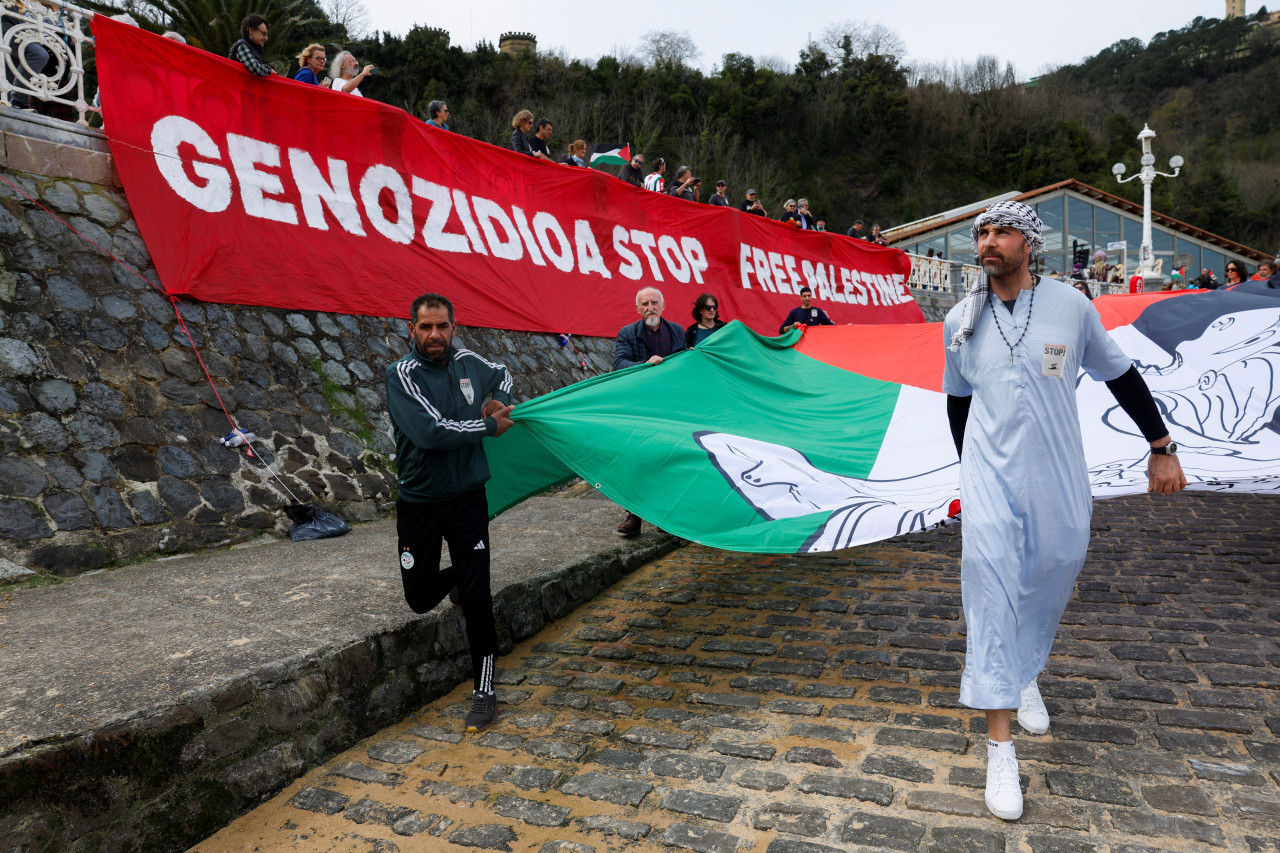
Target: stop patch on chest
1055 357
467 390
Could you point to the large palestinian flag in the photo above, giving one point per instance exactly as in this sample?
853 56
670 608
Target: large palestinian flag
836 436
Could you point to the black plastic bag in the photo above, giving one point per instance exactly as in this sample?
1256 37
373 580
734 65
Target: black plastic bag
311 523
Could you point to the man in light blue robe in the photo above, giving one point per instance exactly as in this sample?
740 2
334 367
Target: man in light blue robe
1016 347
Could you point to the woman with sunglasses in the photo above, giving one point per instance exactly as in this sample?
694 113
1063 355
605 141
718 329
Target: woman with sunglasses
706 315
1236 273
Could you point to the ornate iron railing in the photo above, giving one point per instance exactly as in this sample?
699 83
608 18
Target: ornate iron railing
51 36
941 276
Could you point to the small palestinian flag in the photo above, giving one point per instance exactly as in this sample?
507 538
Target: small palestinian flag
611 154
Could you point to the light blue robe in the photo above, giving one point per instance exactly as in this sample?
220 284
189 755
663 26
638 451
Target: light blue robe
1024 486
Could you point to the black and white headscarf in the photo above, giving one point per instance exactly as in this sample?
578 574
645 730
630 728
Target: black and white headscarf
1009 214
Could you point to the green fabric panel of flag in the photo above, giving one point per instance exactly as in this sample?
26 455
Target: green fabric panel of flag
631 435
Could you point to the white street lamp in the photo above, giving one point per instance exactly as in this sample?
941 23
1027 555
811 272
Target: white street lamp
1146 262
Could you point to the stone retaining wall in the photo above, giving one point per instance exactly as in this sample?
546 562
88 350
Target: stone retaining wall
109 429
164 782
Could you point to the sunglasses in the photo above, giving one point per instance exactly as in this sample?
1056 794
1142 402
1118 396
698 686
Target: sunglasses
710 307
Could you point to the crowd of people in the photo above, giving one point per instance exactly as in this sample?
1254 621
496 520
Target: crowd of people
343 74
686 185
530 138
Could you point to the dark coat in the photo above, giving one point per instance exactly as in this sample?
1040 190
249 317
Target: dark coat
691 332
631 347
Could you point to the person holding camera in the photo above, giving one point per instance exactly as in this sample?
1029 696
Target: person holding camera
791 216
686 186
807 222
347 74
752 205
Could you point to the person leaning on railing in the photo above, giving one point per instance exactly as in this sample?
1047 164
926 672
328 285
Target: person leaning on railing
438 114
311 64
35 56
577 155
248 50
348 75
522 123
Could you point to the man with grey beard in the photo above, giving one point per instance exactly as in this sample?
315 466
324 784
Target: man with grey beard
650 338
646 341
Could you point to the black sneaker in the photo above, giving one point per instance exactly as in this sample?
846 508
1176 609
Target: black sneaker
483 708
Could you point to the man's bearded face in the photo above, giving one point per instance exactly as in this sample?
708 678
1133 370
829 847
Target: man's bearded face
1002 250
649 306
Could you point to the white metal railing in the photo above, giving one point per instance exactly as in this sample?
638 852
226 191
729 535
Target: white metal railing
941 276
41 51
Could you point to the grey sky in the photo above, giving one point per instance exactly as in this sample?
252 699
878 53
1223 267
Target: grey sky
1032 34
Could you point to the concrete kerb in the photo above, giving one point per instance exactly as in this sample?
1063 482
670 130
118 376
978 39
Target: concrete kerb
173 774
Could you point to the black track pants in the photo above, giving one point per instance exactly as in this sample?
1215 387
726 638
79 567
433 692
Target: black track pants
463 523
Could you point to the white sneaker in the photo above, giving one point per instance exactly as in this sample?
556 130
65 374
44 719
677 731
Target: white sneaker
1004 793
1032 714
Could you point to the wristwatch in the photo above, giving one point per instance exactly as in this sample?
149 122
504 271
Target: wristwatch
1169 449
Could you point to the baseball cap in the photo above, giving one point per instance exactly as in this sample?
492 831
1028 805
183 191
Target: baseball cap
751 192
721 183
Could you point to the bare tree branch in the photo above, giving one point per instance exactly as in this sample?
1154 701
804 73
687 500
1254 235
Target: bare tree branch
668 49
350 14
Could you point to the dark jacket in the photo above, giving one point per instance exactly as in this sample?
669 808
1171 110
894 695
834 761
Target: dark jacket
811 316
520 142
632 348
437 430
249 55
631 174
691 332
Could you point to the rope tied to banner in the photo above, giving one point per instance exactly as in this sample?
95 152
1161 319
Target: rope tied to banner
566 340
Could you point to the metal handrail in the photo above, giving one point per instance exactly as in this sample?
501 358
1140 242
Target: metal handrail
941 276
56 29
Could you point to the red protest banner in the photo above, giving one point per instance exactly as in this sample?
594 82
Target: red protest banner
266 191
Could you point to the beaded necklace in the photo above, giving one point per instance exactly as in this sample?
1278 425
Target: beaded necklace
1030 307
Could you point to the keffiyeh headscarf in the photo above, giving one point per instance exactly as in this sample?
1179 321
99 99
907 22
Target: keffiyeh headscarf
1008 214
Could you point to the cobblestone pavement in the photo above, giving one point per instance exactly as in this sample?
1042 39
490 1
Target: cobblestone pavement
718 702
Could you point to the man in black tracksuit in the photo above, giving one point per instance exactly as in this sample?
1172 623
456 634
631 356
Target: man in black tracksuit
436 398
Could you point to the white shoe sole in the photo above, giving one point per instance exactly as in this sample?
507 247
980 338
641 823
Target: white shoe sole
1006 814
1034 730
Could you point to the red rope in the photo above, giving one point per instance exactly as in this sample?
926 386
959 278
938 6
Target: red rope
173 300
183 325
